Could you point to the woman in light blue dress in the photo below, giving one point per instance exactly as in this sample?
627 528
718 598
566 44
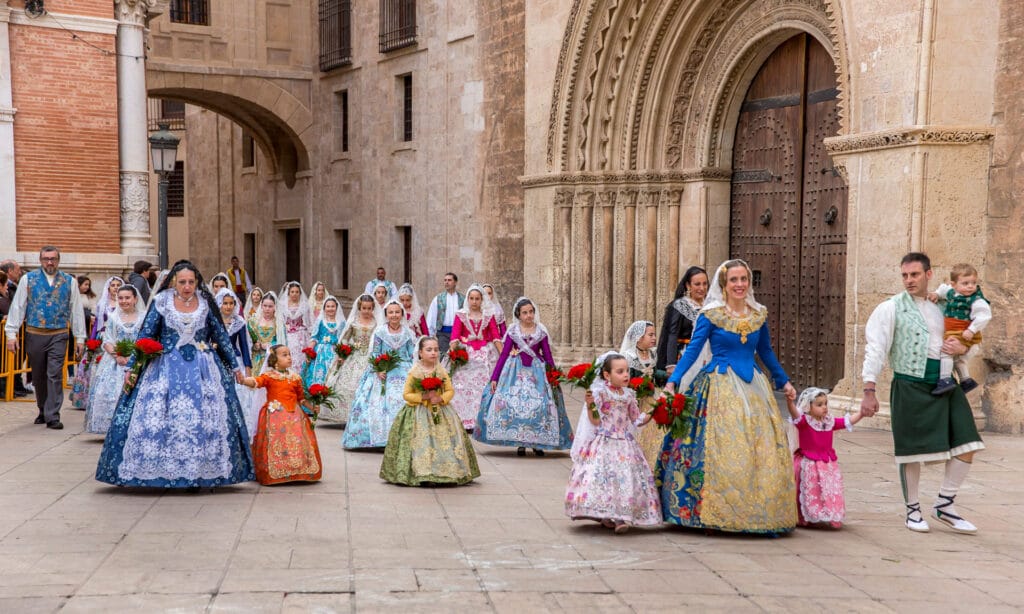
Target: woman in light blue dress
520 408
372 412
108 376
326 333
181 425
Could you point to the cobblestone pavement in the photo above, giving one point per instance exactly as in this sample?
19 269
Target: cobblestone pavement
353 543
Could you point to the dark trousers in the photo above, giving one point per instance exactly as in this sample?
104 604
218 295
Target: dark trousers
444 339
46 359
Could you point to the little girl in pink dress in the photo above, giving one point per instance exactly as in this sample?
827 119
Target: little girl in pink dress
819 483
611 481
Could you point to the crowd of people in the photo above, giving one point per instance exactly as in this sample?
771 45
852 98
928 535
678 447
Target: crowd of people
201 384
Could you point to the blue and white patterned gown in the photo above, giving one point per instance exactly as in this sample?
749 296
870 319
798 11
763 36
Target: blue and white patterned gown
181 426
372 414
325 337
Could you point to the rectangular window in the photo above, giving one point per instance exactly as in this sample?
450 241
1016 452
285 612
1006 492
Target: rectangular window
405 235
249 257
342 126
397 24
193 12
176 191
172 109
248 150
344 248
335 33
406 107
292 254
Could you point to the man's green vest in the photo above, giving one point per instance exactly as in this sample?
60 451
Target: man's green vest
909 352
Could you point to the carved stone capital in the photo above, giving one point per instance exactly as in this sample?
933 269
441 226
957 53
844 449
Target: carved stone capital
133 12
7 115
627 177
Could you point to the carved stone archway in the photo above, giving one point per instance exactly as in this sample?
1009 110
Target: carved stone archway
639 138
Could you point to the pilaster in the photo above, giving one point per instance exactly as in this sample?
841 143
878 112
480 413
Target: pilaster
8 210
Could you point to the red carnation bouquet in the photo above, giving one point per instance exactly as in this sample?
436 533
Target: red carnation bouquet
554 376
145 351
124 348
92 353
672 412
582 376
343 350
382 363
430 384
310 353
320 396
456 358
642 386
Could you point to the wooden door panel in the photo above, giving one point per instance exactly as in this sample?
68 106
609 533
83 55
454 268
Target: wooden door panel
788 215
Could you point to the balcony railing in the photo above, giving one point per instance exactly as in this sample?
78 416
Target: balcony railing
397 24
335 33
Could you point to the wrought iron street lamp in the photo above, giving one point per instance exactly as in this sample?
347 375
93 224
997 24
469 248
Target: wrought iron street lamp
163 145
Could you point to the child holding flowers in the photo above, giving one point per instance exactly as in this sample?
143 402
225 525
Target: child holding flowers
638 346
379 394
108 379
353 354
284 448
427 443
611 481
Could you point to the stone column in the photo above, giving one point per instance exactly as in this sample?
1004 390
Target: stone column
8 217
133 144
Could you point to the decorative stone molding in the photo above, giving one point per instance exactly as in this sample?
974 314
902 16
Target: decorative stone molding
134 205
61 21
906 137
7 115
133 12
626 177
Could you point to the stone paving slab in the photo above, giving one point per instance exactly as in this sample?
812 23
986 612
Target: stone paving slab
502 544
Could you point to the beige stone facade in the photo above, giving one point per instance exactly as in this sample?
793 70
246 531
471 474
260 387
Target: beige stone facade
581 152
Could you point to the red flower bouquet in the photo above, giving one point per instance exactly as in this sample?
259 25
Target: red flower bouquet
554 376
93 344
92 353
673 412
642 386
124 348
145 351
319 395
382 363
343 350
430 384
310 353
456 358
582 376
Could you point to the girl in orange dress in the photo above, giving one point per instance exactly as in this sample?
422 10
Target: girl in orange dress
284 448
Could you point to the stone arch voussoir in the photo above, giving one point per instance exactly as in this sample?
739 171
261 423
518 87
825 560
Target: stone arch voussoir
278 121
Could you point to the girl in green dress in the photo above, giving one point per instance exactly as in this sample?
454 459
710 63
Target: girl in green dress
427 443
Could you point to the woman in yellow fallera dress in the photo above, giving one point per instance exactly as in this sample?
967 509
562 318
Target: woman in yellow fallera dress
733 470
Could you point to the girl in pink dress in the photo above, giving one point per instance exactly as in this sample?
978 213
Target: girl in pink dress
477 332
819 483
611 481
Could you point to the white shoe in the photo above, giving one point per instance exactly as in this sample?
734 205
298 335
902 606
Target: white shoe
915 520
953 521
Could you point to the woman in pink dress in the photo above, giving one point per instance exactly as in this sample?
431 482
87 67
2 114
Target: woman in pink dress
819 483
476 332
295 322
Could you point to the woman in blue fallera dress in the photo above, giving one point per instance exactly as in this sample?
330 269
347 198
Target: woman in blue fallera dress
326 333
181 425
372 412
108 379
733 470
520 408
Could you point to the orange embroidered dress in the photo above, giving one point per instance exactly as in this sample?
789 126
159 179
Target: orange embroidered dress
284 448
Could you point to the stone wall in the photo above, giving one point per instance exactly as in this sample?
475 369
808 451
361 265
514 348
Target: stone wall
1004 265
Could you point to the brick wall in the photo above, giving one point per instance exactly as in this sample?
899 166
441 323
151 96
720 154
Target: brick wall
65 137
85 8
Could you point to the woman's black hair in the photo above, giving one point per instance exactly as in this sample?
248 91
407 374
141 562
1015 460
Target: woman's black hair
84 278
687 278
519 305
130 288
183 265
